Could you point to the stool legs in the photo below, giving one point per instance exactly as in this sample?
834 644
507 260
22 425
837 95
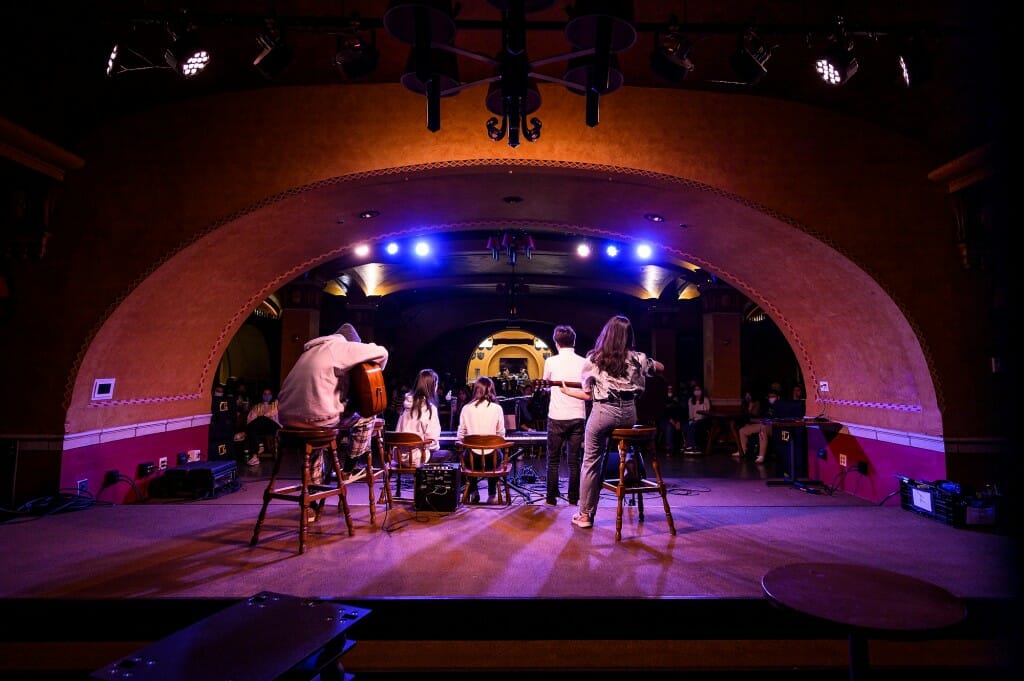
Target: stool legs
308 494
640 486
267 496
342 491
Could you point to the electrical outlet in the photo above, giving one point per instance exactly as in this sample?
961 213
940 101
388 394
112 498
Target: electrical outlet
842 460
162 463
83 485
823 386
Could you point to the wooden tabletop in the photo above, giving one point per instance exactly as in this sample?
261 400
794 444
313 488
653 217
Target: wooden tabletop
862 596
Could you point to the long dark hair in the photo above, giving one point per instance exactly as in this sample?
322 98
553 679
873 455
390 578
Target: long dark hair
424 392
614 343
483 390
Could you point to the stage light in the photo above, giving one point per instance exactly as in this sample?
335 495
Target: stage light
362 250
838 63
612 251
185 54
915 63
643 251
391 248
421 249
355 51
583 250
750 57
670 58
275 54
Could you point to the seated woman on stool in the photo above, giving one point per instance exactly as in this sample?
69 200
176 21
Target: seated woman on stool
420 416
483 415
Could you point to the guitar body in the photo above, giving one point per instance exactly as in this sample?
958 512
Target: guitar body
540 383
367 393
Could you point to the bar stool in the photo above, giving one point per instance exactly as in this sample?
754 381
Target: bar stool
638 438
306 493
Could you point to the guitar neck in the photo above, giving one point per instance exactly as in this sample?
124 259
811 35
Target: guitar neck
543 383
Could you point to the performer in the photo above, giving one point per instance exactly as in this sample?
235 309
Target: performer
614 375
566 415
314 392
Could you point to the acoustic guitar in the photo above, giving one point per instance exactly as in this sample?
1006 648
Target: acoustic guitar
540 384
367 394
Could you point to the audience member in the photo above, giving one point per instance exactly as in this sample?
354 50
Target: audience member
614 374
261 425
482 415
762 426
566 415
697 423
420 415
314 393
670 423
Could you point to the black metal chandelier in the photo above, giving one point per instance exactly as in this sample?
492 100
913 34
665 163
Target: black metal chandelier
596 30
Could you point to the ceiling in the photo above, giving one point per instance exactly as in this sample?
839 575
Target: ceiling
64 52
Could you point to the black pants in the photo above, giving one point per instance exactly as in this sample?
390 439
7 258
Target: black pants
561 434
487 465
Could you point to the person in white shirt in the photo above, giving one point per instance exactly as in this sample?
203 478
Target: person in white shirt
482 415
420 416
567 416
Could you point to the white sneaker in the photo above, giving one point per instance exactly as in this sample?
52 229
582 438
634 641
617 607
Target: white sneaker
582 520
759 459
253 461
355 474
736 454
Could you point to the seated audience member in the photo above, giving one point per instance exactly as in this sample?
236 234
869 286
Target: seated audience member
697 424
482 415
261 425
670 423
762 426
420 416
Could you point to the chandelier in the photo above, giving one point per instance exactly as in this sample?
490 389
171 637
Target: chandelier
595 31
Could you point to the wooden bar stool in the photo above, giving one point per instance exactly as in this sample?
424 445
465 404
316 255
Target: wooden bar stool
306 493
639 438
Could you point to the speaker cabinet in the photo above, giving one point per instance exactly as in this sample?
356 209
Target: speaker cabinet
784 437
437 487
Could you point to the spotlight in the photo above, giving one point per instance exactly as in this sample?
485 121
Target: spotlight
391 248
583 250
185 54
275 54
914 63
749 58
838 64
612 251
421 249
643 251
354 55
671 56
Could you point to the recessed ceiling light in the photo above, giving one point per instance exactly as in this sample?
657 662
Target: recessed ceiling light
654 217
512 200
369 214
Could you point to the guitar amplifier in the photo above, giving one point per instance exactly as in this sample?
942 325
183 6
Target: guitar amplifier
436 487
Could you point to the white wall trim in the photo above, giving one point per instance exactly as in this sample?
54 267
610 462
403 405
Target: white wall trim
93 437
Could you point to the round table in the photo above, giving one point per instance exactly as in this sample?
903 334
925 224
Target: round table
865 599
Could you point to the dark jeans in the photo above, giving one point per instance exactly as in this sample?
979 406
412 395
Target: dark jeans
481 463
561 434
